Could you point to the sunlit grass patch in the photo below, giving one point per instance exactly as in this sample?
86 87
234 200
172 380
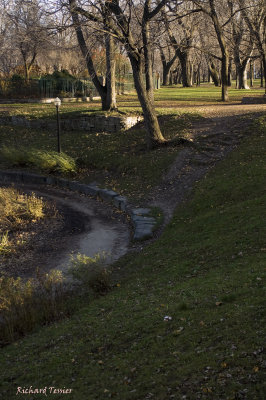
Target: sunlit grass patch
49 161
4 243
17 208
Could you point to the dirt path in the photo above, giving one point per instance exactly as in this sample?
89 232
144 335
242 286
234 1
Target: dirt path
214 137
85 225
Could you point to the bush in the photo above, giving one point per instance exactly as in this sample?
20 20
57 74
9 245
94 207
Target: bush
49 161
91 272
17 80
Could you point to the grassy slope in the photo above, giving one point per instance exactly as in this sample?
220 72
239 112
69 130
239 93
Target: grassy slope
206 272
118 161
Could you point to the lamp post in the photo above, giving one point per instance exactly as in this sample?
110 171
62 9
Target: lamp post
57 103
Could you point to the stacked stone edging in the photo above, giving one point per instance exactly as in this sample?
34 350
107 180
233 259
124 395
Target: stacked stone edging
143 224
93 123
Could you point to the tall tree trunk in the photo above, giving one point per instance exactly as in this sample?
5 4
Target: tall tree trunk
110 73
166 76
198 76
166 67
261 73
241 68
147 52
170 78
27 73
185 69
28 65
154 135
214 74
264 70
251 74
230 73
242 76
224 77
223 46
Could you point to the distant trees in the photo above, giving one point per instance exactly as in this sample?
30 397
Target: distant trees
190 37
254 14
242 44
28 30
181 27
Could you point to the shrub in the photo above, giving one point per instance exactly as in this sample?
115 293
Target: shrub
25 304
91 272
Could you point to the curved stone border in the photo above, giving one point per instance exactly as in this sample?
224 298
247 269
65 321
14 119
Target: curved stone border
143 224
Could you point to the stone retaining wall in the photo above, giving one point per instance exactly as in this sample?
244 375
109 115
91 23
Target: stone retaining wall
94 123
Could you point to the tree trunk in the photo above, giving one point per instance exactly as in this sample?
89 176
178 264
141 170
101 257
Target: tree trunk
166 68
242 77
261 73
27 73
185 69
251 74
224 77
154 135
147 53
241 69
110 73
223 46
166 76
170 78
198 76
214 74
264 69
230 73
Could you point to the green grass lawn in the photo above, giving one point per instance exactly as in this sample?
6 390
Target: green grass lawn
165 98
206 272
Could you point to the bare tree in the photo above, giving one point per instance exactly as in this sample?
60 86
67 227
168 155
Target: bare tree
216 12
129 22
242 45
181 27
28 31
8 52
167 62
254 13
107 91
